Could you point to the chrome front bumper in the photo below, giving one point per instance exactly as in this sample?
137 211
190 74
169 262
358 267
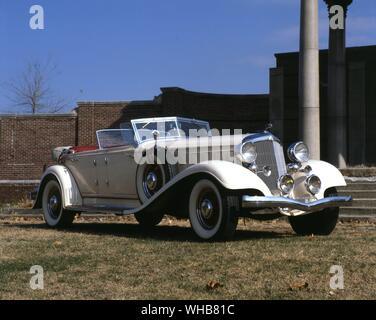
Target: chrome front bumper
249 202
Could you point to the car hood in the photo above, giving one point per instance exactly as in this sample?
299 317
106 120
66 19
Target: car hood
224 141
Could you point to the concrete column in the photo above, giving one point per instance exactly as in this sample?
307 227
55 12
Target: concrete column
276 101
357 114
309 83
337 91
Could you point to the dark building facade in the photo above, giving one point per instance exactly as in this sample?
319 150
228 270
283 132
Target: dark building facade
361 102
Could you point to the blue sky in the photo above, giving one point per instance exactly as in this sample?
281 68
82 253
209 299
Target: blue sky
127 50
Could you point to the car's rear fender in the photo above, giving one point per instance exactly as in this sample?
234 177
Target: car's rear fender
71 195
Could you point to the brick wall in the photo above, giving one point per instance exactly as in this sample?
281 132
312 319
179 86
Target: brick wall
26 143
92 116
15 192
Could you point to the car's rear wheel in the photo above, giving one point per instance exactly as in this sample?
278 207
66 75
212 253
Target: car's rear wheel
317 223
149 219
52 204
212 212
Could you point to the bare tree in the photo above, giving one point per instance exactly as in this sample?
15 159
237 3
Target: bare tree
31 91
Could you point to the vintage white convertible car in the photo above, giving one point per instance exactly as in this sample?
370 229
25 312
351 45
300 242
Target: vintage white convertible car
177 166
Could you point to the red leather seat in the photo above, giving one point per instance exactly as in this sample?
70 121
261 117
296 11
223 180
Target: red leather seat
78 149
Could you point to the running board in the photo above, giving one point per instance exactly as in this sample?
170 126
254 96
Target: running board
103 209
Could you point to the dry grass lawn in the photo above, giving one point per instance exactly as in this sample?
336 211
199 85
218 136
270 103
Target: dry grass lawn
115 259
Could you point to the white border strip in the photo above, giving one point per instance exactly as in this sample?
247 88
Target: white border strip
360 179
19 182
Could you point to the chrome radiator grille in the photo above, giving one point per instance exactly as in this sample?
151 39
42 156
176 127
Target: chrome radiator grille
270 153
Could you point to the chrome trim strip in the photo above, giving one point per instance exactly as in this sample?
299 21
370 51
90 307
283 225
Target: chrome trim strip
261 136
280 202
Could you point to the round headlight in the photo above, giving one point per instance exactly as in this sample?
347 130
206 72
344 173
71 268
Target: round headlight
298 152
313 184
286 184
248 152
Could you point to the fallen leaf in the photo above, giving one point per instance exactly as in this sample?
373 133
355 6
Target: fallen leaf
299 285
57 243
213 284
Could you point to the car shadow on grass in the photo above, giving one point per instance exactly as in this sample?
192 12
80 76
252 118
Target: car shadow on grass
162 233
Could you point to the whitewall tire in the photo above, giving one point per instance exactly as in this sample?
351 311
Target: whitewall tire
52 203
211 214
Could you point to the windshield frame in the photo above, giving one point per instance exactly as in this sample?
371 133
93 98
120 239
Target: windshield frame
125 143
166 119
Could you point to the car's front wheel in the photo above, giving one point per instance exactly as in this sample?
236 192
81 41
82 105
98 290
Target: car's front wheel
52 203
212 213
317 223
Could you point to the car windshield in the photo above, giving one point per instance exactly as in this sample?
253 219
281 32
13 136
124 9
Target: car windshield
190 127
111 138
168 128
165 129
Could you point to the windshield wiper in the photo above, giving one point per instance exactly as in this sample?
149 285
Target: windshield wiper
143 127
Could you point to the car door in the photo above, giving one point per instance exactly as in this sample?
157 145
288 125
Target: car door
83 167
121 173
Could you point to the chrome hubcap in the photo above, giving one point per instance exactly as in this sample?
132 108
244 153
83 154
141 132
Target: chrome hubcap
151 181
54 203
206 208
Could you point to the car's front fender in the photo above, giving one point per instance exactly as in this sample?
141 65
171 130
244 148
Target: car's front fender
231 176
329 175
70 193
